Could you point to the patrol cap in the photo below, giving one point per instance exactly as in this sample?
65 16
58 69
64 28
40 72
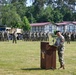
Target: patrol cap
55 32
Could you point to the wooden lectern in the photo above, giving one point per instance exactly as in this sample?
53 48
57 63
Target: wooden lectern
48 56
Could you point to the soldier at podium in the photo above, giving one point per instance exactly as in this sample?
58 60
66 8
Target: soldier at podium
60 47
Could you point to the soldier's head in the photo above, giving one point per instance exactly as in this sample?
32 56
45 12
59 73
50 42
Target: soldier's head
58 33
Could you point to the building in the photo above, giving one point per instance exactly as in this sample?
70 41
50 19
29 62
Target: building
66 26
43 27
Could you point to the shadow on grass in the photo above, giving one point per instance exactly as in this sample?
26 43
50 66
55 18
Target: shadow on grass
34 69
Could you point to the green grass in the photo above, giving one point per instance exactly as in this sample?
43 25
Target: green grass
23 58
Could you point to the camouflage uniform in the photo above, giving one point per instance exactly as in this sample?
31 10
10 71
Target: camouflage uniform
14 37
60 44
68 38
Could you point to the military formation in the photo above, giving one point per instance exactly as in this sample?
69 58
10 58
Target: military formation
69 36
4 36
26 36
34 36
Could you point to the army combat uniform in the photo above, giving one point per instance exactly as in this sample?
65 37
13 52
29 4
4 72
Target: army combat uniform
14 37
60 45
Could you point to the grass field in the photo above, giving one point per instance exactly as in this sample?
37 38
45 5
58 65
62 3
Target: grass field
23 58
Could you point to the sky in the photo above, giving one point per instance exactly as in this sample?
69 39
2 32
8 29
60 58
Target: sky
29 2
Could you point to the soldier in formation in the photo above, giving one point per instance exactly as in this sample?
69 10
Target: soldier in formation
70 36
4 36
35 36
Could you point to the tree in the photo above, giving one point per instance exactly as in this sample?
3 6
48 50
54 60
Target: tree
14 20
10 17
38 6
22 1
64 9
74 16
59 3
68 16
57 16
46 15
26 24
20 8
30 14
55 3
70 1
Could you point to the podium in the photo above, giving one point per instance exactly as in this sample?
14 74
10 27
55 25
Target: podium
48 56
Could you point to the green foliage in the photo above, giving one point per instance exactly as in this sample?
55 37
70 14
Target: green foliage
39 3
74 16
10 17
26 24
38 7
68 16
20 8
30 14
64 9
45 15
57 16
14 1
12 14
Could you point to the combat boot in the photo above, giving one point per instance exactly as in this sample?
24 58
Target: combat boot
62 67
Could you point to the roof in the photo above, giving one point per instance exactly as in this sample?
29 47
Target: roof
74 22
62 23
65 23
40 24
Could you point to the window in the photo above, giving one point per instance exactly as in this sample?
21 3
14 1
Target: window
36 28
50 28
33 28
71 28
